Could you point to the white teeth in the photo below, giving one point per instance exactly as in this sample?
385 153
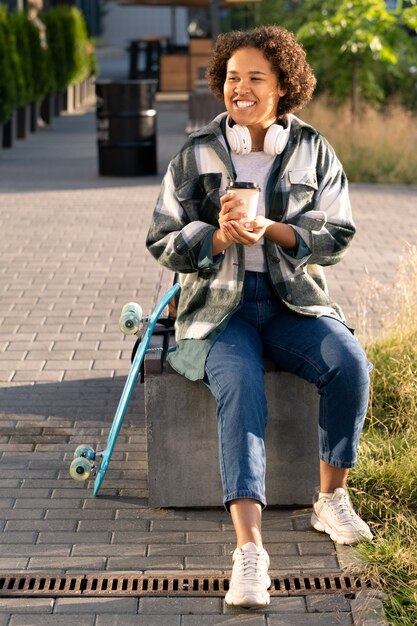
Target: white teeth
243 104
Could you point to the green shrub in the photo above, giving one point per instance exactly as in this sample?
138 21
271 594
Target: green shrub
56 46
42 76
19 24
28 71
8 92
75 39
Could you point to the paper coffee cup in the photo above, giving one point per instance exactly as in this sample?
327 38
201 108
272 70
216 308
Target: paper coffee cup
249 193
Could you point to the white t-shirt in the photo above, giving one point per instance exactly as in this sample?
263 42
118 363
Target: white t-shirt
254 167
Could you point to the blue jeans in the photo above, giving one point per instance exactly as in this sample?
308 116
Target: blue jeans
321 350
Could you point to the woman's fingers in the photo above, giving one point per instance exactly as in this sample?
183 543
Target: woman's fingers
229 204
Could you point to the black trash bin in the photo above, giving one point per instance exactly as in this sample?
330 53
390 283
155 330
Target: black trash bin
126 127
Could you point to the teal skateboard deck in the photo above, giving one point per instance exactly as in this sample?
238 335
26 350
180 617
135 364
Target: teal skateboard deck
131 321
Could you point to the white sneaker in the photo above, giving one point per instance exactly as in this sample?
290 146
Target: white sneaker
250 581
333 514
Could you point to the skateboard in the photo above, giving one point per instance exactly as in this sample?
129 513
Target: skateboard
131 322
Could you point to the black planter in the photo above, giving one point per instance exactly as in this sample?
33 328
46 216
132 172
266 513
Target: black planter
22 122
45 111
8 133
58 104
34 112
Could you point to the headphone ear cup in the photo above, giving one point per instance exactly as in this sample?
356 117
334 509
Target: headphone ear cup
276 139
239 139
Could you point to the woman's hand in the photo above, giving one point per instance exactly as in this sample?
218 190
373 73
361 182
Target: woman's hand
234 227
246 233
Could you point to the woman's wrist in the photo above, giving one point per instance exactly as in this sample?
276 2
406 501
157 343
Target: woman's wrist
219 242
282 234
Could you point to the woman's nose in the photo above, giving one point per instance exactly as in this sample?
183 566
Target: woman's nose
242 88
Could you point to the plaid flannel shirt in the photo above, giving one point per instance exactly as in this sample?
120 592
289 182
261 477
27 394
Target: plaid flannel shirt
307 188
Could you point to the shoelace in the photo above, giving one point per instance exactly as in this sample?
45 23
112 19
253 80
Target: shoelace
342 509
250 564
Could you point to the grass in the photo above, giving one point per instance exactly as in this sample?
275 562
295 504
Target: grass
384 484
379 147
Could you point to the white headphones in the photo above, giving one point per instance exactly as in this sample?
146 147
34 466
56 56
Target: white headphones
240 141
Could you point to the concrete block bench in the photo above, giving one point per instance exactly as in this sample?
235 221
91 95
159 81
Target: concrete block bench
183 460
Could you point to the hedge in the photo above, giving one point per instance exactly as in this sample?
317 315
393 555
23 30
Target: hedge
28 71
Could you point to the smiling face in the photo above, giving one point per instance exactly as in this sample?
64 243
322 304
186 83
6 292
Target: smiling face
251 90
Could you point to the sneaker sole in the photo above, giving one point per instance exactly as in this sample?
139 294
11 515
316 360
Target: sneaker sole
247 602
346 541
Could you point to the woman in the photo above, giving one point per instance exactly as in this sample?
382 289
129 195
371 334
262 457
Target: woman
254 288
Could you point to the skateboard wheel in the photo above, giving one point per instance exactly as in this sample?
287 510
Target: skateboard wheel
131 318
80 468
85 451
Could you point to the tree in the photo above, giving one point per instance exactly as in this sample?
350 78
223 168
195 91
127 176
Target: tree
358 48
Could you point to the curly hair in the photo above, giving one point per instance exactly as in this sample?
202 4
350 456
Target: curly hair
286 56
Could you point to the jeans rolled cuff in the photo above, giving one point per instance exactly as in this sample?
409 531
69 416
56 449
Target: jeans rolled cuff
244 494
327 458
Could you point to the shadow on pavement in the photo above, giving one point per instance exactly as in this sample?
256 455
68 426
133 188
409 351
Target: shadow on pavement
76 400
64 156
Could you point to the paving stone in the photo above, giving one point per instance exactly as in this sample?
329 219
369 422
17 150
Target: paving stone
240 619
151 537
310 548
367 609
113 525
136 548
17 537
179 606
81 514
96 605
186 525
310 619
9 564
53 620
143 620
22 492
29 550
199 549
322 603
41 525
49 503
136 563
6 503
73 538
67 563
26 605
97 504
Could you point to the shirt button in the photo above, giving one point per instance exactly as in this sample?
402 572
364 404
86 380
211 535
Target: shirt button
289 297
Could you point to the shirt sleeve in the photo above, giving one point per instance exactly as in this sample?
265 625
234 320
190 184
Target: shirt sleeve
301 249
205 258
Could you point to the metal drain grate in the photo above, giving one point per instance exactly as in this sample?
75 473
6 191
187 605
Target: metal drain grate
121 584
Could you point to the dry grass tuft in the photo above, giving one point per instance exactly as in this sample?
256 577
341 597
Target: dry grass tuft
381 146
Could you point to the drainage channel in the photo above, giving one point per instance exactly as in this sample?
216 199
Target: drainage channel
128 584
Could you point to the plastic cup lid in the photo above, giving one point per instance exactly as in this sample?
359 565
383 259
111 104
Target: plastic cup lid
236 184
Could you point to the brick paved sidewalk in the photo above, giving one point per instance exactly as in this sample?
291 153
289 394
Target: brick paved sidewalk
72 254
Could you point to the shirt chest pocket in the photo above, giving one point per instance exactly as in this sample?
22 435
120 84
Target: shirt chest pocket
200 198
302 187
